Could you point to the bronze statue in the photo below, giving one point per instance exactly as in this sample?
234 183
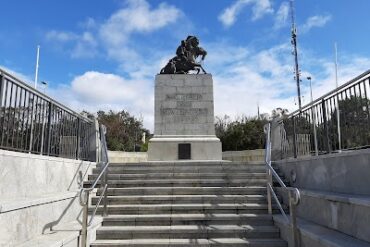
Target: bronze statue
185 59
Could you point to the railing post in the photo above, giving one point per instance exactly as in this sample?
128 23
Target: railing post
78 138
294 139
104 158
326 130
267 161
49 129
2 85
85 215
338 126
293 220
43 128
269 199
2 106
32 121
105 209
314 130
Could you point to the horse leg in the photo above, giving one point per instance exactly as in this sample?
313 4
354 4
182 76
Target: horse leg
204 71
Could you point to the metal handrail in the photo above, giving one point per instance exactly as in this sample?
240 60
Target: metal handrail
24 85
332 123
293 193
85 192
333 92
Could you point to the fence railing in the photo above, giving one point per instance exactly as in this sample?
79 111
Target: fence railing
32 122
101 180
339 120
294 195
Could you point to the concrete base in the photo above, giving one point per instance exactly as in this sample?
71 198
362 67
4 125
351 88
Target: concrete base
165 148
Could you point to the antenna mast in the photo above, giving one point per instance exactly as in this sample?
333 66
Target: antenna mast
295 53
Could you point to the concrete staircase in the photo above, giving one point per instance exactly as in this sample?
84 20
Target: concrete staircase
328 216
187 204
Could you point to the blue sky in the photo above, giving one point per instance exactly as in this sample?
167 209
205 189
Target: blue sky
104 54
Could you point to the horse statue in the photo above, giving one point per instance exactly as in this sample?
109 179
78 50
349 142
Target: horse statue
185 59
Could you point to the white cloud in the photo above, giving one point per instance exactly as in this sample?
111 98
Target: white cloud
281 15
93 91
315 21
349 67
61 36
137 17
266 76
112 37
89 23
259 9
25 78
255 77
86 46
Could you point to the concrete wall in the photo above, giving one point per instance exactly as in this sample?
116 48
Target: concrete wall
346 172
127 157
38 193
245 155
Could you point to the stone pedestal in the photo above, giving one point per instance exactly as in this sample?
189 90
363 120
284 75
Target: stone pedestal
184 119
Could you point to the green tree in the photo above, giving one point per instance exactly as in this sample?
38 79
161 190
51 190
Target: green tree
124 132
354 123
242 134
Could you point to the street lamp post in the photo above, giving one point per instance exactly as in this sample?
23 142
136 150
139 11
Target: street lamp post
45 85
314 118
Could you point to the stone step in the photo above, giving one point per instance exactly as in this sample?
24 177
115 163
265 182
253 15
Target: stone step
182 176
187 219
225 208
346 213
166 199
145 170
312 234
187 231
247 190
232 242
182 182
188 164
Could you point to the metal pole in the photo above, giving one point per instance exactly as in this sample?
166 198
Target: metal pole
78 139
269 182
338 111
105 208
2 86
37 65
85 215
43 128
267 160
295 53
293 220
326 130
32 119
294 139
49 129
314 120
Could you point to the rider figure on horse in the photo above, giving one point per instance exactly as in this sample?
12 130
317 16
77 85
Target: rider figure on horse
185 59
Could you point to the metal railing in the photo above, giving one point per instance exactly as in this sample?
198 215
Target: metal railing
293 193
339 120
32 122
85 192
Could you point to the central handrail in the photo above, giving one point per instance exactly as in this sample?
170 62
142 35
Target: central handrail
85 192
293 193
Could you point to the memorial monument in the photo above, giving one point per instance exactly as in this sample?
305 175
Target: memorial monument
184 109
